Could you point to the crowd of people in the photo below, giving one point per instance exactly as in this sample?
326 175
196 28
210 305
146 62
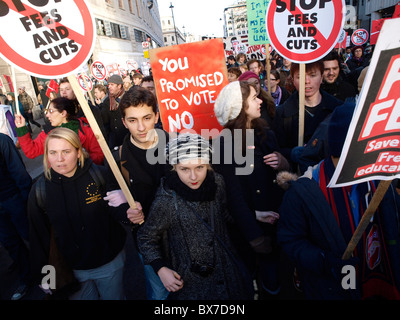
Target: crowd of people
202 230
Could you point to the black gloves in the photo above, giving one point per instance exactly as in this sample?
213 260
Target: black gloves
261 245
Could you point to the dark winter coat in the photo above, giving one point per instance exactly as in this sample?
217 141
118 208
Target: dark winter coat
249 192
189 240
308 227
87 231
286 122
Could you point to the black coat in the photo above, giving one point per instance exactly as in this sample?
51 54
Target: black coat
248 192
87 231
286 121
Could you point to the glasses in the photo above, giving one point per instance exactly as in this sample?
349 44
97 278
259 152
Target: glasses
50 110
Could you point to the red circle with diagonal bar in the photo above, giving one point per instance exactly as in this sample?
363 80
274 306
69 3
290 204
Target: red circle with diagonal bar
51 40
304 31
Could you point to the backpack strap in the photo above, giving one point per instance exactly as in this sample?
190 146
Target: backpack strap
40 193
97 176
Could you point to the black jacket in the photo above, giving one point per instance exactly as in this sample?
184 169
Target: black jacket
86 229
286 121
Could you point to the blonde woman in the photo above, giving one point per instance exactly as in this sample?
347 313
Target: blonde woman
68 204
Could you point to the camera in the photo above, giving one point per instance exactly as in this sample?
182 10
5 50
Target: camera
203 270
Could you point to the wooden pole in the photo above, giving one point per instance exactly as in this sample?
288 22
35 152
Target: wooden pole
366 218
268 65
100 138
302 86
15 91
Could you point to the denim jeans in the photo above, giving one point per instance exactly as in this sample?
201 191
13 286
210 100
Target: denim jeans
155 289
102 283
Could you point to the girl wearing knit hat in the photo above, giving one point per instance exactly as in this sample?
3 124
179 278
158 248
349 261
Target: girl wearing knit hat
253 199
190 210
267 103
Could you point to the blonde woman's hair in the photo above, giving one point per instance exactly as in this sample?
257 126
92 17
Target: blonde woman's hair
69 136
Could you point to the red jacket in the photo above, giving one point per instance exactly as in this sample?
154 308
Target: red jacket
35 148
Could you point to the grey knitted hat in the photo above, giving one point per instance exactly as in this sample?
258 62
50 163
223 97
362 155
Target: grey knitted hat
188 146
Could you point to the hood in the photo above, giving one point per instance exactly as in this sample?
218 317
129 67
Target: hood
58 178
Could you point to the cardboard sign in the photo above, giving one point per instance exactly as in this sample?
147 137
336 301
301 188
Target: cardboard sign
256 21
371 150
98 70
132 65
187 84
303 31
359 37
47 38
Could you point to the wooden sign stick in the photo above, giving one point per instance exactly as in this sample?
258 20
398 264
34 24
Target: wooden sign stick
373 205
15 90
100 138
268 65
302 87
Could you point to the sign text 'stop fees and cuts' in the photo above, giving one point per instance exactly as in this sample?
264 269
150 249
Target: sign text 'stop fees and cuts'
46 38
304 31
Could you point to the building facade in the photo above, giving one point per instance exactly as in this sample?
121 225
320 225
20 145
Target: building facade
171 33
235 20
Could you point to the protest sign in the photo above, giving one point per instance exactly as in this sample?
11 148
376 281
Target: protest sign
341 43
371 150
47 38
85 83
113 69
359 37
68 27
303 31
188 83
52 87
98 70
256 21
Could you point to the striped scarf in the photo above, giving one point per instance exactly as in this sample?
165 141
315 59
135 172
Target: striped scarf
348 205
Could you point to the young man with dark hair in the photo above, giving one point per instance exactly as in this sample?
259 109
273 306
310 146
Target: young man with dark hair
142 162
333 82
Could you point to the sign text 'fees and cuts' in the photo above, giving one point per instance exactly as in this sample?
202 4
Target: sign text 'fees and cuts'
46 37
304 30
187 85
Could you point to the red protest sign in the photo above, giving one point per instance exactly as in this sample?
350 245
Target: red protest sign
113 69
359 37
47 38
52 87
98 70
8 79
187 84
304 32
376 26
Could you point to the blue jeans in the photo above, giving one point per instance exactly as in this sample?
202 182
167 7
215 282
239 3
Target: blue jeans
155 289
102 283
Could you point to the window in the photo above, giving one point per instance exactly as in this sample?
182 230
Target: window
121 4
110 29
165 39
109 2
139 35
172 38
138 7
130 6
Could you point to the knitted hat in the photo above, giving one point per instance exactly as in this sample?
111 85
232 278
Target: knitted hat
228 103
115 78
248 75
338 127
187 146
